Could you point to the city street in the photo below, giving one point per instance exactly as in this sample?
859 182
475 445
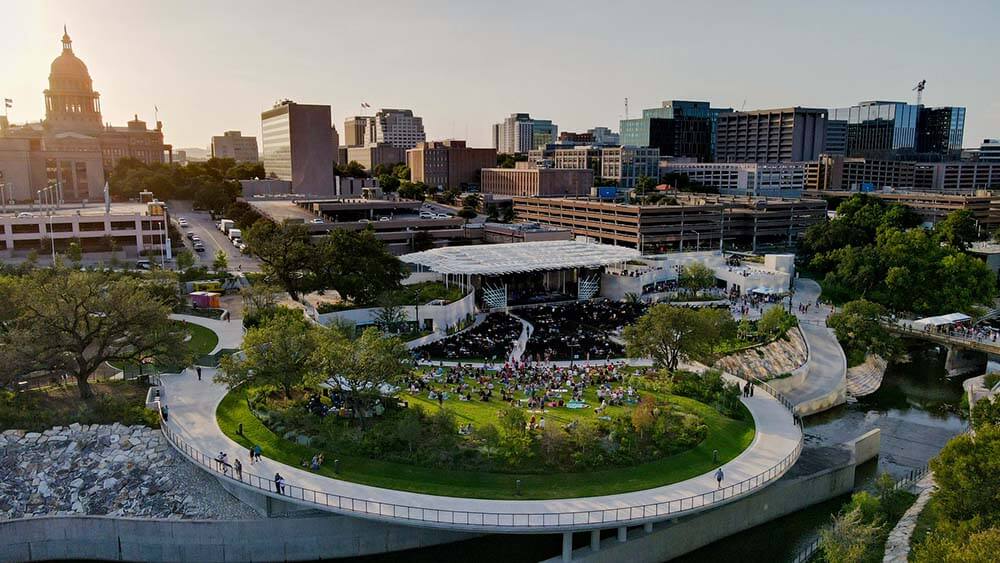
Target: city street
201 224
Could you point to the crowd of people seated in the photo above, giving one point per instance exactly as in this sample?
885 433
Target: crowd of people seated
491 340
579 330
535 387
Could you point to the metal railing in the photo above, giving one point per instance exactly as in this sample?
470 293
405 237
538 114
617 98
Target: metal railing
807 553
486 520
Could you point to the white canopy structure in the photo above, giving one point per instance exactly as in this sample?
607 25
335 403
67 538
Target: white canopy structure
514 258
942 320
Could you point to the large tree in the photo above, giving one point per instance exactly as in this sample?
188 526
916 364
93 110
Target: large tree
958 229
966 476
357 265
696 277
858 325
280 352
362 368
669 334
73 322
285 252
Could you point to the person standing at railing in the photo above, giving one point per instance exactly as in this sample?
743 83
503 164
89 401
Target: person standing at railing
279 483
238 468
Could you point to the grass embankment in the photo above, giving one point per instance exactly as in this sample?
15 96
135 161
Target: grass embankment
729 437
60 405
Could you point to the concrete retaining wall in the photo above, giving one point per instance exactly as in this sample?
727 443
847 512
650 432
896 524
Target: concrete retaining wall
673 539
275 539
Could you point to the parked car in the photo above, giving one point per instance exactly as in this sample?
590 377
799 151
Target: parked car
443 216
192 236
199 248
317 221
144 264
24 215
383 218
426 215
182 222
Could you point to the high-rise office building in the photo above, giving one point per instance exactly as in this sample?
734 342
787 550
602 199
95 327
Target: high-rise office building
298 146
940 131
399 128
359 130
891 130
677 128
232 144
836 137
519 133
792 134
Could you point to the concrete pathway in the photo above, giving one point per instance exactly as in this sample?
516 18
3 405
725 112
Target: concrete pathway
774 449
824 382
521 344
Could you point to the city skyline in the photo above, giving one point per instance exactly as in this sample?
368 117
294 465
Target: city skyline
181 60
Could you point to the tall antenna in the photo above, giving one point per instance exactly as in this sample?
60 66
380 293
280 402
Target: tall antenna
626 108
920 91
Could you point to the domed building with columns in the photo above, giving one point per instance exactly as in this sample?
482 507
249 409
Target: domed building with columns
72 148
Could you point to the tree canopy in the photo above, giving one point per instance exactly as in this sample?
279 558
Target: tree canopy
858 327
72 322
280 352
670 334
696 277
212 184
878 252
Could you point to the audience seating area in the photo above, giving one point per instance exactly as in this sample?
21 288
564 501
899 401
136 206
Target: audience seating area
578 330
491 340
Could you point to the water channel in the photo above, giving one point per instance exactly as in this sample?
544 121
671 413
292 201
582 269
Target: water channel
916 409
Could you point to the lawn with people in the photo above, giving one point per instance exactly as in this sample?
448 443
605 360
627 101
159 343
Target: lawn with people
517 430
452 444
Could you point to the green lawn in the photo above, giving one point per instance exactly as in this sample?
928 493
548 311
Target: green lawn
203 340
728 436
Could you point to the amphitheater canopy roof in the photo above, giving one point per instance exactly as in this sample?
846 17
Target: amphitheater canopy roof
513 258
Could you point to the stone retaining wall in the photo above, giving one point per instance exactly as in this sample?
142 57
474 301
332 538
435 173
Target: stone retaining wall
769 360
105 469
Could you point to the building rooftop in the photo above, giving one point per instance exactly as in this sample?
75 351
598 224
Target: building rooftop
498 259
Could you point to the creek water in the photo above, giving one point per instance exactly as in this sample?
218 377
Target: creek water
916 409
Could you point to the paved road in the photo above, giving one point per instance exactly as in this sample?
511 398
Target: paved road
192 416
201 224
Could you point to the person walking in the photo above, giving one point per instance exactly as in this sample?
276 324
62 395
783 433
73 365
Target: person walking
251 453
719 476
198 369
257 451
238 467
749 383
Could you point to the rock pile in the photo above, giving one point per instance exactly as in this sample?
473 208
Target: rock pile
111 470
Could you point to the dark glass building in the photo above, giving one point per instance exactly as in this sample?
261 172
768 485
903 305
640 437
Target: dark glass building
889 130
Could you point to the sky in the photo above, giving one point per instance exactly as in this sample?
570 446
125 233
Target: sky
464 65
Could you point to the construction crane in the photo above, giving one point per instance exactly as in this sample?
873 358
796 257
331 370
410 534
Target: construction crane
919 88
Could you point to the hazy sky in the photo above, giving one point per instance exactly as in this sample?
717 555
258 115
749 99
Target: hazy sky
463 65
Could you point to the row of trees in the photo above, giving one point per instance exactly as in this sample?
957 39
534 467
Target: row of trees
212 185
356 264
879 252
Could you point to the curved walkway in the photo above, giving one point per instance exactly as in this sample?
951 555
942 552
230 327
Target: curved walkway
824 384
193 429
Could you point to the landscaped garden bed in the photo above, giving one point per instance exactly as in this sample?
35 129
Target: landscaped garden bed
619 442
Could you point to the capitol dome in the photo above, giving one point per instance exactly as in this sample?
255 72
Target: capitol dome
67 71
